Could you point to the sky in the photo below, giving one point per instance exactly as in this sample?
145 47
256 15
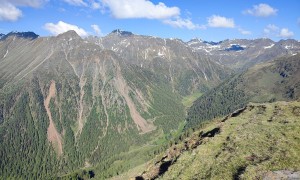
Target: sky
211 20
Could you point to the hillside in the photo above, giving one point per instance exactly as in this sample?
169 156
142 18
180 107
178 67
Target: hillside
68 103
97 107
256 142
171 59
268 82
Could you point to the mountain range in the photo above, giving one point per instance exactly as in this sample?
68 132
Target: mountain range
108 104
240 54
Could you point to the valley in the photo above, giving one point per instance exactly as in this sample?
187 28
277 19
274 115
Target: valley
98 107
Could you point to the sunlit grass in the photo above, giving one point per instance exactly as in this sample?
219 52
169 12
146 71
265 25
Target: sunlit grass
187 101
256 141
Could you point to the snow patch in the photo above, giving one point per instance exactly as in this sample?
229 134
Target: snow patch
191 43
268 47
160 53
5 53
114 49
288 47
206 50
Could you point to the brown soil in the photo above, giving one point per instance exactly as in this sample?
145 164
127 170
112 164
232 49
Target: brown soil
81 85
123 89
53 135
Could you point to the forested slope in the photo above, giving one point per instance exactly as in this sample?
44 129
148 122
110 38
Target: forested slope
69 105
267 82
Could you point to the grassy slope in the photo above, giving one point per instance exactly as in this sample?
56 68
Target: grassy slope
188 101
263 138
257 141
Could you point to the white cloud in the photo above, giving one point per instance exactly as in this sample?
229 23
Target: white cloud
285 33
62 27
76 2
261 10
219 21
9 12
183 23
30 3
97 29
126 9
271 29
123 9
244 32
96 5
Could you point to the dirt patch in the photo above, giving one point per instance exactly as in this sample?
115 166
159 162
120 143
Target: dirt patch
53 136
141 100
82 82
123 89
261 109
296 111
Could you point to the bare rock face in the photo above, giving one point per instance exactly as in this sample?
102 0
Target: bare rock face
282 175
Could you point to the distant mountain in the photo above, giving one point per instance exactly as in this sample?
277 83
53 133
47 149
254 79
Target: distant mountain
171 59
122 33
267 82
27 35
242 53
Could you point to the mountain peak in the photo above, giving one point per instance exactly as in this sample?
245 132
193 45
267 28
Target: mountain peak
196 40
69 34
120 32
26 35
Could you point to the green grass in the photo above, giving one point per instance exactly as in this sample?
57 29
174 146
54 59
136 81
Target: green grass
187 101
263 138
257 140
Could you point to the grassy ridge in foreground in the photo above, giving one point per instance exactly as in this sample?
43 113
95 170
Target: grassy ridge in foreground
245 145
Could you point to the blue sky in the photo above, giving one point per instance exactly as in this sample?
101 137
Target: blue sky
185 19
